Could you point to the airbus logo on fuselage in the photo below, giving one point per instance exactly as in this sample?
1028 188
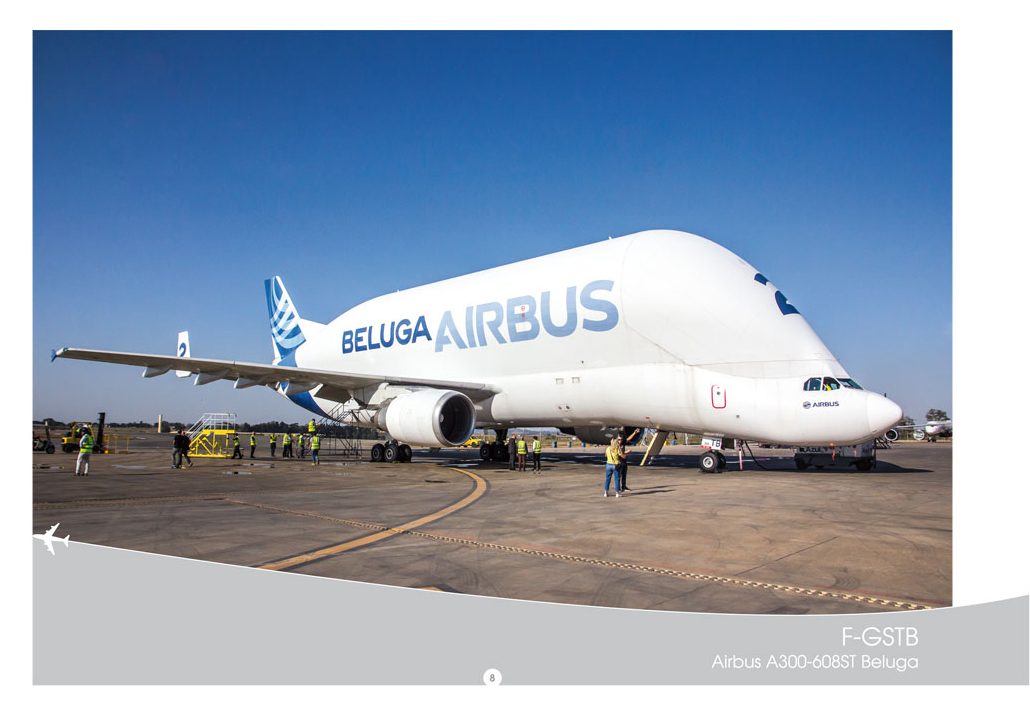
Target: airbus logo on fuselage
820 404
519 318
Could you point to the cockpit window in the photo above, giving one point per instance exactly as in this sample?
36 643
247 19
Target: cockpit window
848 383
830 384
813 384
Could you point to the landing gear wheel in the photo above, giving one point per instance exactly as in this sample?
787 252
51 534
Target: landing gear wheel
864 464
50 449
709 462
377 453
722 461
405 453
390 453
485 452
800 463
500 452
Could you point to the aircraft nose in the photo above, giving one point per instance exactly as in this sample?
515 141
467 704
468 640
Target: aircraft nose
881 412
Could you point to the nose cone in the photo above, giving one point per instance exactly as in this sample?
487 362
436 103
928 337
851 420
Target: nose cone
882 413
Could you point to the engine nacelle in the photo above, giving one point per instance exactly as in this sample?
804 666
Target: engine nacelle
431 417
603 435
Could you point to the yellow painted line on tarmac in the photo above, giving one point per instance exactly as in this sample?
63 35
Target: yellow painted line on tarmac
476 494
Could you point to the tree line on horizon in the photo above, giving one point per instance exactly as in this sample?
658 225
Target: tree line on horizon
278 427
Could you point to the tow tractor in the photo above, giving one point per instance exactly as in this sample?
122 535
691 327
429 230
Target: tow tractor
862 456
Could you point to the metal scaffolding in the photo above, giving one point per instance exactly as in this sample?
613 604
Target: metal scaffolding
211 436
337 437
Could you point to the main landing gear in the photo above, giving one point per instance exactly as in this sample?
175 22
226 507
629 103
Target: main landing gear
493 451
391 452
496 451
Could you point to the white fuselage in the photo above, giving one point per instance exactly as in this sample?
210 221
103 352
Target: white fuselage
934 428
658 329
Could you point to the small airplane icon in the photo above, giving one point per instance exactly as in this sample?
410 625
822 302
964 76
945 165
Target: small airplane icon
48 538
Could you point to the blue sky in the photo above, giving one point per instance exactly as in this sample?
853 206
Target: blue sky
174 172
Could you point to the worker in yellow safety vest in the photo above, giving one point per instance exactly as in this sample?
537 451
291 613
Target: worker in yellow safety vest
85 451
311 426
537 449
287 446
253 444
236 452
522 453
315 442
271 441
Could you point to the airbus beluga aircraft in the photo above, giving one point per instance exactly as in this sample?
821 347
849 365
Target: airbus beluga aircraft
659 329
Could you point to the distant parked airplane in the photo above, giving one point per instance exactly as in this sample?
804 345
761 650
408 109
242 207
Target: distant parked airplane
49 539
931 431
659 329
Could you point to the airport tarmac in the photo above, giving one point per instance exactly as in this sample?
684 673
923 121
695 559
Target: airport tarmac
765 540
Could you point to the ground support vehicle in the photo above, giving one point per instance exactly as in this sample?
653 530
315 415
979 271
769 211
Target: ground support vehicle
862 456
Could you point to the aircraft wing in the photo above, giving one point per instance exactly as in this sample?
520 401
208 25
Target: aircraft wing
333 383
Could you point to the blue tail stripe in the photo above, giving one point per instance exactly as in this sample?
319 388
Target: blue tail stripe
282 317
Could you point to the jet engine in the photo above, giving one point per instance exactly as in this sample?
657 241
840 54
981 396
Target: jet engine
430 417
603 435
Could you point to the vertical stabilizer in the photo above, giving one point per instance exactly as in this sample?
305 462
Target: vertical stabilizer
183 351
282 316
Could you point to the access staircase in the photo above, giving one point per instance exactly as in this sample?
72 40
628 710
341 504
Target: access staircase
211 436
336 437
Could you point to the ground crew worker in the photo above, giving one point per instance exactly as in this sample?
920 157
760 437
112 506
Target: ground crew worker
511 451
314 450
624 464
177 443
271 441
181 449
311 427
236 452
287 446
522 453
537 449
613 456
85 451
253 444
302 444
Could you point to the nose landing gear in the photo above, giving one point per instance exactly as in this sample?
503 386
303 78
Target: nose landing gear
713 462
